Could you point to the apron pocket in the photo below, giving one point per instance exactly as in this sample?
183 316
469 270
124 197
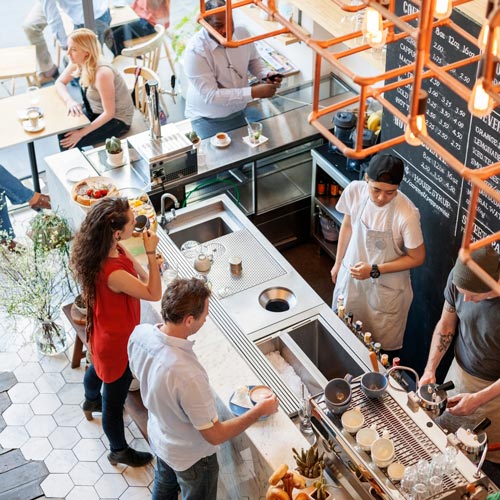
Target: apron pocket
388 300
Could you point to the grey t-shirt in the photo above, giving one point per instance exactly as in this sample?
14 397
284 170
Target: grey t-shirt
477 348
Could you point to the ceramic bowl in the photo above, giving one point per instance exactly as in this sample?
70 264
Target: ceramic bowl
373 384
365 437
337 395
383 451
259 392
353 420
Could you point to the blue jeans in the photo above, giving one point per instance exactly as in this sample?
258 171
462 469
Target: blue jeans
199 482
135 29
113 400
101 25
13 189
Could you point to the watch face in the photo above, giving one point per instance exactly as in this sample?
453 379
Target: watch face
374 273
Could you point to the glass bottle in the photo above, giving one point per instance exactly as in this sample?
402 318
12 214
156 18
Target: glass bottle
321 188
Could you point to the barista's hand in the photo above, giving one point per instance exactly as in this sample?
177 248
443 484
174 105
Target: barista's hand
264 90
274 77
464 404
335 271
428 377
268 406
361 271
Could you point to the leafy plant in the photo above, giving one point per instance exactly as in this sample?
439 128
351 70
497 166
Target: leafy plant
113 145
309 463
321 487
183 31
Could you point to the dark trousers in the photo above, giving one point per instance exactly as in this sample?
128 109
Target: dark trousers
136 29
113 401
196 483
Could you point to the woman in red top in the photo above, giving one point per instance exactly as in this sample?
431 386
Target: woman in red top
113 282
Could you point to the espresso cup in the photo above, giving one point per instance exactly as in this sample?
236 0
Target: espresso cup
235 266
34 118
383 451
338 395
365 437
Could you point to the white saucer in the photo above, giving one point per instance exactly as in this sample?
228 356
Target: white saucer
27 126
218 144
77 174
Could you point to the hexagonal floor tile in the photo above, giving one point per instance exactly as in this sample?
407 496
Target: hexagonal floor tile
71 394
45 404
23 393
68 415
136 493
85 473
41 426
80 492
29 352
60 461
140 445
36 448
88 450
64 438
13 436
73 375
50 382
139 476
110 486
54 363
28 372
57 485
18 414
9 361
90 428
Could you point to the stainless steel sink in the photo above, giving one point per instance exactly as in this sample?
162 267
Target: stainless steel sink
203 232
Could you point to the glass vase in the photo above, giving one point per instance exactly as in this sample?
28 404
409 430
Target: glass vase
50 337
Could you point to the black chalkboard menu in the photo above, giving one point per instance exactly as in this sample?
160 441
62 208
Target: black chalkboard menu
440 194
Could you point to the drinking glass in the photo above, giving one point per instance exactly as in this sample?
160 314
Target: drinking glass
419 492
435 485
169 272
305 417
33 95
423 470
254 132
409 479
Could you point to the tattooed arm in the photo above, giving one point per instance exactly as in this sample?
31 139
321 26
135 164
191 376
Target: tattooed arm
441 340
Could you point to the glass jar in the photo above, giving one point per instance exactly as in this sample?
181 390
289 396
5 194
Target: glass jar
140 204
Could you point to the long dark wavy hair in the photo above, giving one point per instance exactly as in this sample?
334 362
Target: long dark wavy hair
92 244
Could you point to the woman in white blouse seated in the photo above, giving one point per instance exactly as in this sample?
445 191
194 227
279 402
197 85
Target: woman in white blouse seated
106 100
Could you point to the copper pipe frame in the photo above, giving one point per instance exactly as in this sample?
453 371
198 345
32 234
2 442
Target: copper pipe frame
369 88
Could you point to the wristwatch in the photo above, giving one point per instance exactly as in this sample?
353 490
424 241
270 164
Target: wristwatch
375 272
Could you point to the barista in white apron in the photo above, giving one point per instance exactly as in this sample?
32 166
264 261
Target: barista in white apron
379 297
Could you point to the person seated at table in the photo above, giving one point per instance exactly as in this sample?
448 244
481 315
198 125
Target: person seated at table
106 99
150 12
48 12
17 193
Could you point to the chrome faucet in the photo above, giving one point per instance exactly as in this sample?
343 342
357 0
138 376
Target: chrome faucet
164 220
152 91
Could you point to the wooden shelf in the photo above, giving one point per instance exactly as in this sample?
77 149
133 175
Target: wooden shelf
329 248
328 205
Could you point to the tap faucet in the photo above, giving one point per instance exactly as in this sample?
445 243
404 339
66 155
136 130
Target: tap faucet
152 91
164 221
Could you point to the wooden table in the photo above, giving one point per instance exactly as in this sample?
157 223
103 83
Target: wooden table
55 117
18 62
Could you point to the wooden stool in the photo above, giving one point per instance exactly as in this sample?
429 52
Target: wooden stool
78 322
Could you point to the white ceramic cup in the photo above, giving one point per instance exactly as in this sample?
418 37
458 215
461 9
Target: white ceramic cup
366 436
353 420
34 118
383 451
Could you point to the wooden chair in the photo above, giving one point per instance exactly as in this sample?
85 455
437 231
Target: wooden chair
146 55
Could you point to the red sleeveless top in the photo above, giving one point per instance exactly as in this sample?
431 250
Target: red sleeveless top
115 317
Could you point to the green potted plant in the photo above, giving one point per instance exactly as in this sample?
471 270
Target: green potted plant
321 492
114 151
310 463
36 280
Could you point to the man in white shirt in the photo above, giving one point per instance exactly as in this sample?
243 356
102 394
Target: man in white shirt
380 240
46 12
183 425
218 81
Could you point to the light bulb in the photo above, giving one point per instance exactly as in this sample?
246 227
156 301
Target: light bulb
410 137
373 28
420 123
442 10
480 102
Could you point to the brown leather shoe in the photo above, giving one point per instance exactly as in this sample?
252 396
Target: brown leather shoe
43 201
48 76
